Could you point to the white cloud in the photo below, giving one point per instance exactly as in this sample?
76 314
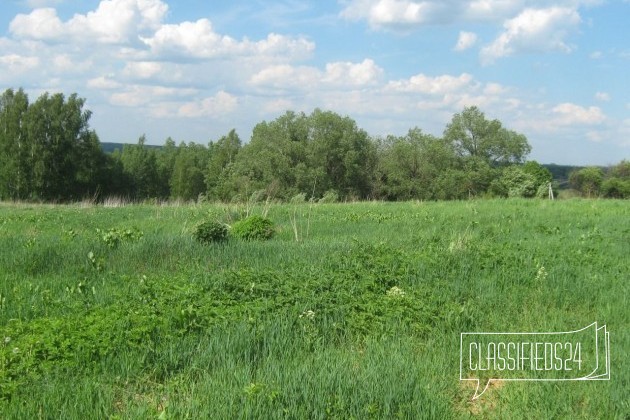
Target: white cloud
15 63
41 24
103 83
595 136
568 114
113 22
465 41
401 15
602 96
346 75
277 106
220 104
395 14
142 69
36 4
438 85
495 89
533 30
199 40
285 76
490 9
139 95
352 74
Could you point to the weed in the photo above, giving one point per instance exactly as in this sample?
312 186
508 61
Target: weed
253 228
211 231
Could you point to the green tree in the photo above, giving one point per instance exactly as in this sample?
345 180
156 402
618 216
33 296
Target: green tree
219 171
617 181
140 164
187 180
515 181
541 174
471 134
621 170
14 165
275 158
341 154
587 180
410 165
165 159
614 187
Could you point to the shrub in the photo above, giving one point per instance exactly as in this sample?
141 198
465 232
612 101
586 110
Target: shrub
211 231
253 228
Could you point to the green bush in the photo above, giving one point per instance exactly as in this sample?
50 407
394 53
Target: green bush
253 228
211 231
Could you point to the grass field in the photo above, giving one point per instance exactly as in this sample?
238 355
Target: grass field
120 313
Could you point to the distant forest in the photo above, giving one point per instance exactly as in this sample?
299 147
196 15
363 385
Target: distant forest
559 173
48 152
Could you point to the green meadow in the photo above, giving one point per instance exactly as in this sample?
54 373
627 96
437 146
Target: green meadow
350 311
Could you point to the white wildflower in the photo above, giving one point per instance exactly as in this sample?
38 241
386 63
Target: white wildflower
308 315
541 274
396 292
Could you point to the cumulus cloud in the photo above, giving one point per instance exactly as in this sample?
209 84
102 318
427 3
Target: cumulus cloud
137 95
113 22
602 96
199 40
103 83
220 104
352 74
396 14
337 74
465 41
35 4
142 69
14 63
438 85
568 114
284 76
40 24
534 30
408 14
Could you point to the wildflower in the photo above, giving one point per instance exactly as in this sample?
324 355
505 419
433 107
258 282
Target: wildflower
308 314
16 350
396 292
7 340
541 274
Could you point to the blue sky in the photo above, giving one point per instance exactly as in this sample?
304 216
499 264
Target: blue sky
554 70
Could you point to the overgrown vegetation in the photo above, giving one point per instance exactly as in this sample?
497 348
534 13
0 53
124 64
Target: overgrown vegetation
361 318
253 228
211 231
49 153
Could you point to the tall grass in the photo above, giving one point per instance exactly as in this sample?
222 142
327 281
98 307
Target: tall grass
359 319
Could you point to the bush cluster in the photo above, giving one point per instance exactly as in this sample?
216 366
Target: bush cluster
253 228
211 231
250 228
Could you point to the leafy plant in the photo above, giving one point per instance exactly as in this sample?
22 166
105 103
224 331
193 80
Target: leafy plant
113 237
253 228
211 231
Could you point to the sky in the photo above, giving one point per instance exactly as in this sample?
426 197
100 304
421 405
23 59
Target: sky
557 71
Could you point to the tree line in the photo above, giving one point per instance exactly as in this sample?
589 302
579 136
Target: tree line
48 152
